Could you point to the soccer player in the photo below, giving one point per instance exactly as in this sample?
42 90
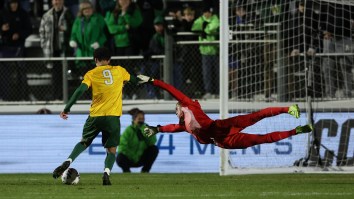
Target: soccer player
107 83
223 133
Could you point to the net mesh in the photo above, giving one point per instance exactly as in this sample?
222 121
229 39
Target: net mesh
287 52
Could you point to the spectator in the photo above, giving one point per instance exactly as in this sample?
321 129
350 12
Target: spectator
87 34
156 47
300 38
187 21
187 74
15 28
72 5
157 43
25 5
208 25
271 11
106 6
150 9
135 149
212 4
337 38
239 18
123 23
54 32
184 66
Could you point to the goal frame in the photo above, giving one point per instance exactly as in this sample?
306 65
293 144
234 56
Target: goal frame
224 77
225 166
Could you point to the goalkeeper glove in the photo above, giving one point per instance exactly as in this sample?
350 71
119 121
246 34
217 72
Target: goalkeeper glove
144 79
151 130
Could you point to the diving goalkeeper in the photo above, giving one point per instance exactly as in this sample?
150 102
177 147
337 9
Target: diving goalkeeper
225 133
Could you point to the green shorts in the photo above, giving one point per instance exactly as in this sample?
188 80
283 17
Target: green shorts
108 125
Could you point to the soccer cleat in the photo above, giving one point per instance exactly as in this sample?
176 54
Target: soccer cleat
304 129
294 111
105 179
60 169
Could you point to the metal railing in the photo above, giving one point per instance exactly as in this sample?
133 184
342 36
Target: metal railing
55 78
281 67
183 71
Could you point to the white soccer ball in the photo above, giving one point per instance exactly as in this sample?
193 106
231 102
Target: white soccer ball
70 176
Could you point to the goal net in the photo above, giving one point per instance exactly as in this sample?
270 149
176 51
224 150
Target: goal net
281 53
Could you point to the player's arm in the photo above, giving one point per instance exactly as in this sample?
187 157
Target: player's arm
167 87
77 94
170 128
181 97
134 80
128 78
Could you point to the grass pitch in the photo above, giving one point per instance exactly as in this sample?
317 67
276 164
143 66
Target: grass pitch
302 186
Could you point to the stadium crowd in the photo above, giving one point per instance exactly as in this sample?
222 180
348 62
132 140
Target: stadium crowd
137 27
307 29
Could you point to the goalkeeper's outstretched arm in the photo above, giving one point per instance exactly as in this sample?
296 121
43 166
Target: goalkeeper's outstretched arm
181 97
167 87
170 128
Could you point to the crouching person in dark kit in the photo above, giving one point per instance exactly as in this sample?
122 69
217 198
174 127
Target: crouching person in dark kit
135 149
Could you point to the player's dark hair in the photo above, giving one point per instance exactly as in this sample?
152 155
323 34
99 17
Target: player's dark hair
135 112
102 54
44 111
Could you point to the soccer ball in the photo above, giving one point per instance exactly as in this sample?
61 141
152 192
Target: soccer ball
70 176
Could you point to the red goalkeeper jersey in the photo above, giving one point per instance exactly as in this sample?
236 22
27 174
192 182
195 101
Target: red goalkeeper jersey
196 122
223 133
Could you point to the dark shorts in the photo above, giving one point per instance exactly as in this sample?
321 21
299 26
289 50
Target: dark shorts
108 125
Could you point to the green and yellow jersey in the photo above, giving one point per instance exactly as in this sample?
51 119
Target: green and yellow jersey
107 84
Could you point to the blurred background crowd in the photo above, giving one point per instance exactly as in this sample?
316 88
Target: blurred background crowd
63 28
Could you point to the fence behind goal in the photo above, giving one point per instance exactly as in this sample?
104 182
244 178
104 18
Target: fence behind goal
53 80
281 53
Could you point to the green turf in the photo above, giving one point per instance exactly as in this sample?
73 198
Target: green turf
181 186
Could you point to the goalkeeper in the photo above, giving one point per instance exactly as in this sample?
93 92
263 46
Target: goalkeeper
223 133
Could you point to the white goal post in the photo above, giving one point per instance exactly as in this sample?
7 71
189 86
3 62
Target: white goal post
224 82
